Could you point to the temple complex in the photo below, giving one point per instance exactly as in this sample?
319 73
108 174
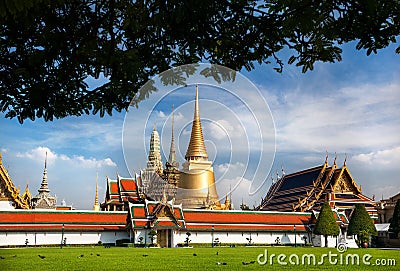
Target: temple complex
161 205
306 190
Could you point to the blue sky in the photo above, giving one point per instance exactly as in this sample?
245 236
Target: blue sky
350 107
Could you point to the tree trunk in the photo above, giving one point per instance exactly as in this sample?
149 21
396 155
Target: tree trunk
326 240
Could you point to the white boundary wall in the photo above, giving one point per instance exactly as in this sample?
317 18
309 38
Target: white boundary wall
54 238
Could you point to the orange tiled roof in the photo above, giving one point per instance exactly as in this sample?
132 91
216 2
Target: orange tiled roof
53 220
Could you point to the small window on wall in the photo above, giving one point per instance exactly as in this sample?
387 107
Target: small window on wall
242 233
227 234
81 233
257 233
115 233
196 233
44 234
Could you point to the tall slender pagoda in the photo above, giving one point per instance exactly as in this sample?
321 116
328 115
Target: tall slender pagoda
171 171
196 188
43 200
96 205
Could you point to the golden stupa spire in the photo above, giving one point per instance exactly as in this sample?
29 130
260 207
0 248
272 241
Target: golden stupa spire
196 149
96 206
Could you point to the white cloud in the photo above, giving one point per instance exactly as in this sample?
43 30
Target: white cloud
70 177
39 154
385 158
221 168
357 117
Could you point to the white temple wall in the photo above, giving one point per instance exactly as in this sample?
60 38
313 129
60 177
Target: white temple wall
54 238
239 237
6 206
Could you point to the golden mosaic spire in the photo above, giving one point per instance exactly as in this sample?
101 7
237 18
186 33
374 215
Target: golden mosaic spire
96 206
196 149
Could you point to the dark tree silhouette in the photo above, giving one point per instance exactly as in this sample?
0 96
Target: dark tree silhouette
395 223
50 48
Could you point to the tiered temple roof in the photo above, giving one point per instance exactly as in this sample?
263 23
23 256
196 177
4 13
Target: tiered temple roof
308 189
10 193
119 193
162 215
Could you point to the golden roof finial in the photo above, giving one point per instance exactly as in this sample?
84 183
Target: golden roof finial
345 160
334 161
326 158
196 148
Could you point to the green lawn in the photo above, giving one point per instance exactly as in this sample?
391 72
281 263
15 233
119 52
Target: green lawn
117 258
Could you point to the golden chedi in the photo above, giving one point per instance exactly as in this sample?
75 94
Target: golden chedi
196 188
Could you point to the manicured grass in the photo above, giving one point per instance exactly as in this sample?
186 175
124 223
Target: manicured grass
117 258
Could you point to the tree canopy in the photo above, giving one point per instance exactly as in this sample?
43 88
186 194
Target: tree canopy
395 223
361 224
50 48
326 223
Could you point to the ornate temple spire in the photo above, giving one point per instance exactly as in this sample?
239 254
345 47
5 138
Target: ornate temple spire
96 206
154 158
172 154
44 187
196 149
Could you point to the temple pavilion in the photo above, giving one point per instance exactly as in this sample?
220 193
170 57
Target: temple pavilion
307 189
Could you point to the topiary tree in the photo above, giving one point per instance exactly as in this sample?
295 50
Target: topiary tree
152 235
326 223
395 223
361 225
187 241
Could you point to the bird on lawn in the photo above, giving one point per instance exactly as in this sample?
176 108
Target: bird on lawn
145 255
217 253
41 256
221 263
1 257
194 254
98 254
